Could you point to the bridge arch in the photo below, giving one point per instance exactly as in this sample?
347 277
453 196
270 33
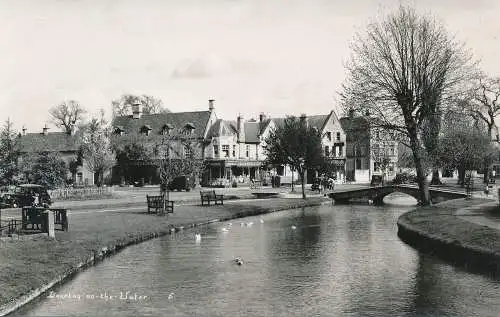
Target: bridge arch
377 194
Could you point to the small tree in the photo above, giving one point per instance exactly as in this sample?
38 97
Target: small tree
464 149
49 170
483 105
9 154
95 146
178 156
67 115
297 145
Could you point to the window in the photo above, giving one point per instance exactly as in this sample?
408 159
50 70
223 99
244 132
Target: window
338 136
329 136
376 166
248 151
216 150
327 150
391 150
225 150
341 150
79 177
358 163
234 150
187 151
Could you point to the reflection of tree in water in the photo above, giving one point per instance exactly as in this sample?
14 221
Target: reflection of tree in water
358 228
295 256
443 290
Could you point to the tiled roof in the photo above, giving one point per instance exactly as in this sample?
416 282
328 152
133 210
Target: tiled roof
317 121
263 125
53 142
178 120
221 128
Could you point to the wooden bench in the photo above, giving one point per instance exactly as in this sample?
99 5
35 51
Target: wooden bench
159 204
209 196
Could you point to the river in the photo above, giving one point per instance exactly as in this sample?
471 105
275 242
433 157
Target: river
318 261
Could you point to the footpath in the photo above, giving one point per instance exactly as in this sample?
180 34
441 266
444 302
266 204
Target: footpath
31 265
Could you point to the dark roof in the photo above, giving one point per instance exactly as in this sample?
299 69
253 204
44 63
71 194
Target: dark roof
263 125
214 129
355 127
221 127
252 132
317 121
52 142
178 120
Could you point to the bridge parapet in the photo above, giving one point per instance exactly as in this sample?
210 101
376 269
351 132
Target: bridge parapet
377 194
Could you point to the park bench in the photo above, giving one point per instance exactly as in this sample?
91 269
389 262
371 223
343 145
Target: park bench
158 204
209 196
255 184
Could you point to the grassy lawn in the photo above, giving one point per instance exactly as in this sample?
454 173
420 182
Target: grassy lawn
439 222
30 262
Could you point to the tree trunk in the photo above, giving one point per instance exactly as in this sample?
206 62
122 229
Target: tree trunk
303 181
417 158
461 176
487 165
435 177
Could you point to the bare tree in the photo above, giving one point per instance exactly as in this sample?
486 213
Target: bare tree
67 115
96 147
179 155
483 105
150 104
400 71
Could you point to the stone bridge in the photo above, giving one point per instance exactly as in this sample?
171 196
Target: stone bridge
377 194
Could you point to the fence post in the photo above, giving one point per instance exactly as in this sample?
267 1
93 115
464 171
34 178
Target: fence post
50 223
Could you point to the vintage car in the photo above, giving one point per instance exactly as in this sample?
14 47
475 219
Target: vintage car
25 195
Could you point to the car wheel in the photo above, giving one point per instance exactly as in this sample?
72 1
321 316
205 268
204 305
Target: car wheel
188 189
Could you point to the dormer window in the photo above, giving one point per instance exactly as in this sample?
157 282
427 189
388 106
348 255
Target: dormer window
189 127
146 130
165 130
118 130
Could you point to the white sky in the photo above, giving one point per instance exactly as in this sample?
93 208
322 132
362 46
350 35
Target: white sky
272 56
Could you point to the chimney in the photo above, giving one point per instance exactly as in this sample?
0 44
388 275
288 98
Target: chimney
262 117
24 130
45 130
241 129
303 119
211 104
136 110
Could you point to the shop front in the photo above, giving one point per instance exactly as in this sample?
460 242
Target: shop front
229 171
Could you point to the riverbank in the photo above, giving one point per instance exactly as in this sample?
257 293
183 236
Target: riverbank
443 230
30 266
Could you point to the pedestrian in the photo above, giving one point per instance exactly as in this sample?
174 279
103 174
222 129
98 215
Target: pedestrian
36 200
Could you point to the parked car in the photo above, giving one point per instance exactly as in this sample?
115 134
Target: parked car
24 195
182 183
